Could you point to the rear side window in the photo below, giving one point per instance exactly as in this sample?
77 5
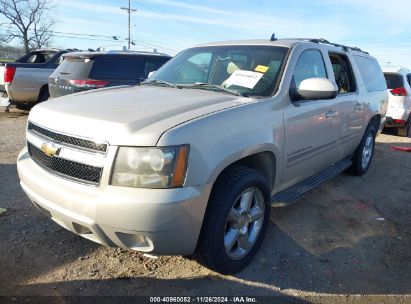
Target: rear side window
371 73
409 79
309 65
394 81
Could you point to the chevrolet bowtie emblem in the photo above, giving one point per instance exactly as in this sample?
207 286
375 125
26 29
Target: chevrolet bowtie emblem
50 149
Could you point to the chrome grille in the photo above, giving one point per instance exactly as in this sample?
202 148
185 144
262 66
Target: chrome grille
83 143
65 168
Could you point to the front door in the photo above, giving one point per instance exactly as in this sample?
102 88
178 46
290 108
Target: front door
311 126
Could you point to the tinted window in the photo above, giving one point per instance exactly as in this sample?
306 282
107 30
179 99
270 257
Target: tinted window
124 67
118 67
393 80
37 57
371 73
153 63
309 65
343 74
409 79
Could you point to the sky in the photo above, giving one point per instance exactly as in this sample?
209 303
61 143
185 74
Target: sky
382 28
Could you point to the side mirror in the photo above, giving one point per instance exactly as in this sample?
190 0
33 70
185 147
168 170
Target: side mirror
150 74
317 89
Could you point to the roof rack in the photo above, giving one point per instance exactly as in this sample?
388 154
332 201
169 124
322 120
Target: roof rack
136 52
324 41
346 48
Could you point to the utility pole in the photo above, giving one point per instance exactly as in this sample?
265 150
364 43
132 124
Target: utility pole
129 10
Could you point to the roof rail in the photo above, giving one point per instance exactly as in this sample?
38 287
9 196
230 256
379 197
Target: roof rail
346 48
324 41
136 52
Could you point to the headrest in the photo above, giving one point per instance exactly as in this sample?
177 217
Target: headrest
232 67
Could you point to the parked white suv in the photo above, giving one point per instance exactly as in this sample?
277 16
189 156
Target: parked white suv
399 104
192 160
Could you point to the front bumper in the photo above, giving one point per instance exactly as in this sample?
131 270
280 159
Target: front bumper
159 221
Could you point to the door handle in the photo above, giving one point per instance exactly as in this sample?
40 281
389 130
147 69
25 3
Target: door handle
330 114
358 107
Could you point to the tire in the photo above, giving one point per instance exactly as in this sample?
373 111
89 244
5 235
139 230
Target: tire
406 131
43 95
227 220
364 153
25 106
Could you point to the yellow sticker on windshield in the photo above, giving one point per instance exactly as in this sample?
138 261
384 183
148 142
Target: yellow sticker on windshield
261 68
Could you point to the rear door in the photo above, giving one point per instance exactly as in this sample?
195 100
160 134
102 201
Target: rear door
311 126
350 107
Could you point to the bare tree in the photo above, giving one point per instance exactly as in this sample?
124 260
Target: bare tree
28 21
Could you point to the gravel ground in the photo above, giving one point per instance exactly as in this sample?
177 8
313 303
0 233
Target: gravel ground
349 237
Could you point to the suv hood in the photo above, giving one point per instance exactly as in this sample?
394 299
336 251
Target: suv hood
135 116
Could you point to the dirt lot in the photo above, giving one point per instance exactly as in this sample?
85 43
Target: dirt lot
350 236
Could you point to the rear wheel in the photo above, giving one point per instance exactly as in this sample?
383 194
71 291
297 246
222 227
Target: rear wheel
406 131
25 106
364 153
235 222
44 94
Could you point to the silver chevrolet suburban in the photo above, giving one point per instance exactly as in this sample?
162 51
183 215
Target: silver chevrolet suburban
192 160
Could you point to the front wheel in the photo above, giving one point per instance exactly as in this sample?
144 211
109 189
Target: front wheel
235 222
364 153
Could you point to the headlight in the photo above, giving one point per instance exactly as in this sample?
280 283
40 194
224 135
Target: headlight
150 167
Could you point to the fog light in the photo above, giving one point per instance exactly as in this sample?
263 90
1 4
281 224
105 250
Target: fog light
136 241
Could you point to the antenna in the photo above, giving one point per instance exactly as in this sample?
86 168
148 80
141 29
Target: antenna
129 10
273 37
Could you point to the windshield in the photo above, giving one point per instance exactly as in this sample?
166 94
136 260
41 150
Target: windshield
242 70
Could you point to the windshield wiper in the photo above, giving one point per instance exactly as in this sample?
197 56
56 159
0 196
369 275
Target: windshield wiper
159 82
205 85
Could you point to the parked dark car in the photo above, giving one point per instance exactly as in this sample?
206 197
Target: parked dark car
93 70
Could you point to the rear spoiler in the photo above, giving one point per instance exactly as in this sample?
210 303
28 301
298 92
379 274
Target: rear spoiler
80 55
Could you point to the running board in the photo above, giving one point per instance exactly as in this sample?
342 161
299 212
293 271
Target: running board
289 195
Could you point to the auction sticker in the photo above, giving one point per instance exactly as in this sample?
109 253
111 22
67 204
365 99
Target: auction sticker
261 68
246 79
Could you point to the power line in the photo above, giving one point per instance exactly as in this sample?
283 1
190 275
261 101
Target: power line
144 44
66 33
129 10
